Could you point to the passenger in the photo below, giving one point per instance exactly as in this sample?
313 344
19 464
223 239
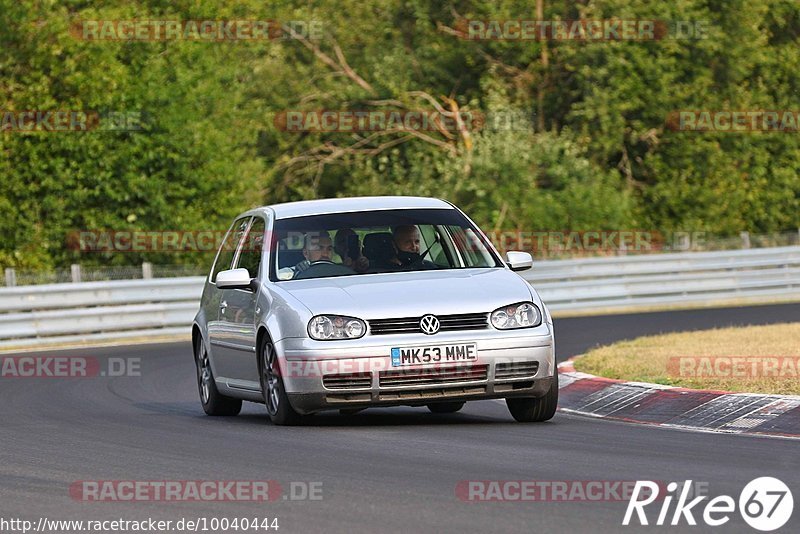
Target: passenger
406 238
407 242
347 246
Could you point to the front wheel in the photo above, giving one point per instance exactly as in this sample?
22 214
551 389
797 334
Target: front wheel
536 410
214 403
277 402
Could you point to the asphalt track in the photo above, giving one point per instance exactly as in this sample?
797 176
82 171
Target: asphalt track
382 470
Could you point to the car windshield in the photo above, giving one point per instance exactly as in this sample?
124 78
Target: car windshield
380 241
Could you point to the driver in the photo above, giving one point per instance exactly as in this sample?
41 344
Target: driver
317 246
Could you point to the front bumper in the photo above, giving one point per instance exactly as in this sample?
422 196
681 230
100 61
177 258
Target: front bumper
359 374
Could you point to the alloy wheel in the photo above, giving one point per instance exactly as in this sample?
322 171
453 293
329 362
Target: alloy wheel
204 375
270 379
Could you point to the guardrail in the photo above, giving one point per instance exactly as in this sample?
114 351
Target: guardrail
650 280
55 313
91 311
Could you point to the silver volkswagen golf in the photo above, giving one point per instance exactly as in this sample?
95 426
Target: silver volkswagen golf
373 301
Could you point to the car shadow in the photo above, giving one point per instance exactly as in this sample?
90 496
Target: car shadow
493 414
393 417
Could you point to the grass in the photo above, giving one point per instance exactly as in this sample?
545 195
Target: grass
755 359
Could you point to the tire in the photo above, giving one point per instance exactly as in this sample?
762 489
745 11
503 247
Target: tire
275 398
536 410
214 403
446 407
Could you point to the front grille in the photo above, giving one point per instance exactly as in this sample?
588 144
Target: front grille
410 325
434 375
348 381
405 395
515 370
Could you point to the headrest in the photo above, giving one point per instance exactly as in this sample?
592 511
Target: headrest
379 246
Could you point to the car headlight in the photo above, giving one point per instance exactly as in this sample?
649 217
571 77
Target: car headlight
522 315
327 327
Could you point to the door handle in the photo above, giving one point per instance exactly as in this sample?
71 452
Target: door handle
222 306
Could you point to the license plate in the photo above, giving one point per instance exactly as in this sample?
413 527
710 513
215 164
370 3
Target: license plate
462 352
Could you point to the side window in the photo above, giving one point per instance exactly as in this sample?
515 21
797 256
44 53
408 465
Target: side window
250 256
228 248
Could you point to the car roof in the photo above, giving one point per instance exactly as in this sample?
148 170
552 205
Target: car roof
342 205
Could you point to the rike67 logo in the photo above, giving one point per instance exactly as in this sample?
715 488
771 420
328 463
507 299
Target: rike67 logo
765 504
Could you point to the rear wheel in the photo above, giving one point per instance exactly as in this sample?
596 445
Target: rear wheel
446 407
277 402
214 403
536 410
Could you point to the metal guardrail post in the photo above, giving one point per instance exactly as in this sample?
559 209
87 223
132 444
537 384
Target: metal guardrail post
745 239
11 277
681 241
147 270
75 270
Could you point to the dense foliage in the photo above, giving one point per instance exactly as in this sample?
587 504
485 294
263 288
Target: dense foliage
594 152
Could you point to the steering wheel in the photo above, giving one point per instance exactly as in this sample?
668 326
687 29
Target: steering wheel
323 268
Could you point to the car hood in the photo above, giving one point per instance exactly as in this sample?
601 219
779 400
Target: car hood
411 294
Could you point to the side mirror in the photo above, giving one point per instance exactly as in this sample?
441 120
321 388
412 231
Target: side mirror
234 279
519 261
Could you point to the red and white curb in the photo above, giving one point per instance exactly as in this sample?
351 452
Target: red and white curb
688 409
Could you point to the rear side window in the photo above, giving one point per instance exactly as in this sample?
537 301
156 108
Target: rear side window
250 256
228 248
